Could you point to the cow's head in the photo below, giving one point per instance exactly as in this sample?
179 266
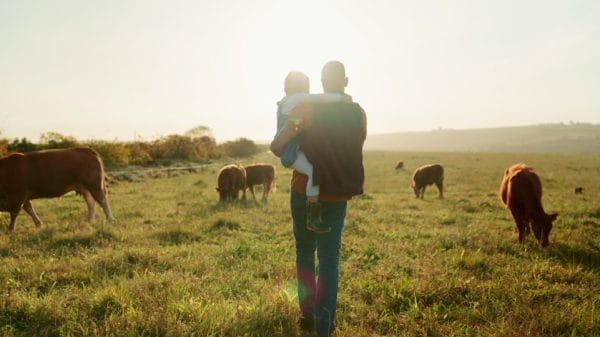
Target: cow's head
415 189
542 231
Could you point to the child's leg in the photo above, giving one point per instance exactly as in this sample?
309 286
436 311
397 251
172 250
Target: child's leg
303 166
314 222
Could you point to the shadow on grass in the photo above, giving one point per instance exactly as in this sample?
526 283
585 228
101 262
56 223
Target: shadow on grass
176 237
225 224
569 255
96 238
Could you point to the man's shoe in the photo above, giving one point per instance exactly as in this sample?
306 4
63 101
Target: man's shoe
307 323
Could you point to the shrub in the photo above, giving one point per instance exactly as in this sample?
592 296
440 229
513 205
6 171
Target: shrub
22 145
113 154
3 147
241 147
184 148
139 153
55 140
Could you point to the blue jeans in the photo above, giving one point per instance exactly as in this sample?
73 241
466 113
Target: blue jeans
317 296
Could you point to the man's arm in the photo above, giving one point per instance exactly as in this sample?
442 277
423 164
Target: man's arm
363 116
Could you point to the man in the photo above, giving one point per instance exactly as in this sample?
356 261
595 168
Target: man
331 135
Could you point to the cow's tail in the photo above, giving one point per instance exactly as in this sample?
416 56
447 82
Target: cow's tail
274 182
103 174
508 193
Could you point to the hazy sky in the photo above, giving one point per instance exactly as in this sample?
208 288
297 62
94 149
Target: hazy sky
124 69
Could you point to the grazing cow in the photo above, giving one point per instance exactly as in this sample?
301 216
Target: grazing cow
260 174
399 165
50 174
231 180
521 193
428 175
578 190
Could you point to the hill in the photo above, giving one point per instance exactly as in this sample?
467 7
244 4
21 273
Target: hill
580 138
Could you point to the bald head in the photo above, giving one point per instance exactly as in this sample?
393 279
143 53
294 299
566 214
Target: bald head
296 83
333 77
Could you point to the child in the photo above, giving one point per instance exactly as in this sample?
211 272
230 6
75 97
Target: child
296 91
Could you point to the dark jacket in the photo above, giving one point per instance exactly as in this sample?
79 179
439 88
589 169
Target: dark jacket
333 144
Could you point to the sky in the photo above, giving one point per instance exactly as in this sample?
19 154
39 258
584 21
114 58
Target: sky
123 69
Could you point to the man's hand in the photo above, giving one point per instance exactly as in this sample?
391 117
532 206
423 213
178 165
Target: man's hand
301 116
299 119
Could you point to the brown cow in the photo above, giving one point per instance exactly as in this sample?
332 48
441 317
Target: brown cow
50 174
399 165
260 174
428 175
231 180
578 190
521 193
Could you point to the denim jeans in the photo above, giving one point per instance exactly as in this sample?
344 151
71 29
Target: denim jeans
318 295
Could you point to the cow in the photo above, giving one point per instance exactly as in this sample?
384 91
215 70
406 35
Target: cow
51 174
399 165
578 190
260 174
521 193
428 175
231 180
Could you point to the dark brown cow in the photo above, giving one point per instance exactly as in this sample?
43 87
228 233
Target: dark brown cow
399 165
260 174
578 190
521 193
428 175
50 174
231 180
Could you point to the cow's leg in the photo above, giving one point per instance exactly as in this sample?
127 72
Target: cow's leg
13 220
423 191
91 203
28 207
440 186
251 188
521 224
266 189
100 197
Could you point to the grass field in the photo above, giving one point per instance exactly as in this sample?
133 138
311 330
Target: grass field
175 263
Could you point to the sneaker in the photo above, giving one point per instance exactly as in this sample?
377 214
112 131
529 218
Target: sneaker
314 222
307 323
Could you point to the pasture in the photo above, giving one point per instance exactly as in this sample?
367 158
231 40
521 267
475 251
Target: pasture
175 263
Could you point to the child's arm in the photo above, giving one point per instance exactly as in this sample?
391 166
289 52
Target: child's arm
299 119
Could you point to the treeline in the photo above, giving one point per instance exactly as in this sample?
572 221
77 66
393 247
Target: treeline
197 145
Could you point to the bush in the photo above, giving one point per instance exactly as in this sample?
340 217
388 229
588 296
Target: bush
3 147
113 154
242 147
22 145
55 140
185 148
139 153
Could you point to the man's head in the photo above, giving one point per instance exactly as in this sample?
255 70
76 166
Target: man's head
296 83
333 77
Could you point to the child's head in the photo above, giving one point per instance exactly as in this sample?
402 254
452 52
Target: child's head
296 83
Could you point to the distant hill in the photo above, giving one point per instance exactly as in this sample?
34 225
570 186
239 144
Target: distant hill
581 138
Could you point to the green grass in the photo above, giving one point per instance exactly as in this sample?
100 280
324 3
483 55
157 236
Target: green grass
175 263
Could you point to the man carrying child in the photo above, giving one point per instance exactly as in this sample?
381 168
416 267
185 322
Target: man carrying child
330 135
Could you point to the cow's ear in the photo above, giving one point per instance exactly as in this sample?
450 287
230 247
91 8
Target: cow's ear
218 190
553 217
